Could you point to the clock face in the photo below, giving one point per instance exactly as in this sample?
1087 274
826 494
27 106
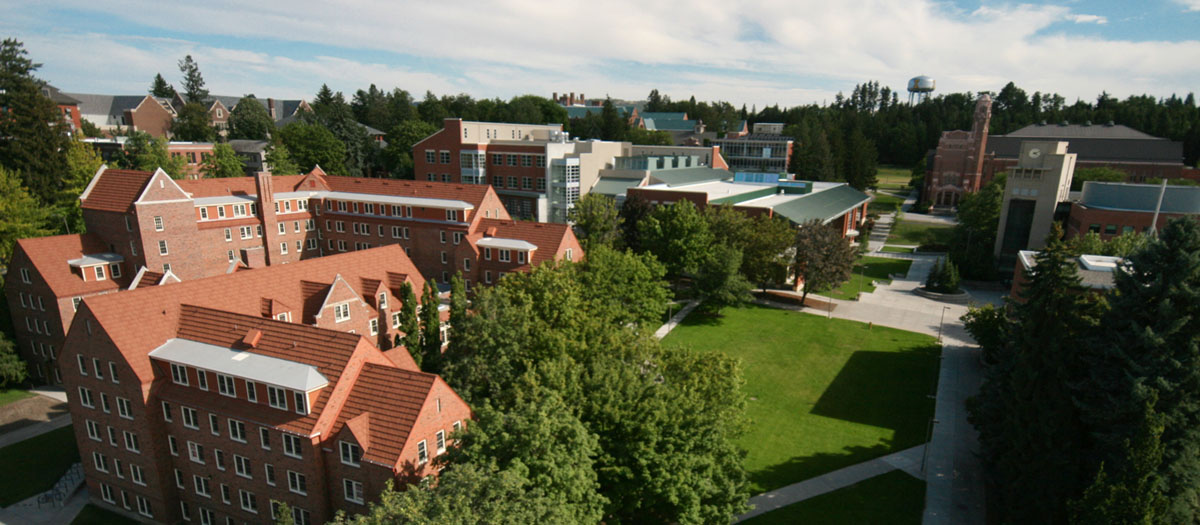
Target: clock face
1035 153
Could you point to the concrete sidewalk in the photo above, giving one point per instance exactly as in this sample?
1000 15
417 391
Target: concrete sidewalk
675 319
907 460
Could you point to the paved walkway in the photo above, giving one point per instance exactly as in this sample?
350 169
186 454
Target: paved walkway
907 460
675 319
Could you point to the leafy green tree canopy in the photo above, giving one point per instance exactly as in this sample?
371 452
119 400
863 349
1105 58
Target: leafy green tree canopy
595 221
250 120
223 163
310 145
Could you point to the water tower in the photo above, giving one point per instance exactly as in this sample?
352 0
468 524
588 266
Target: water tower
919 88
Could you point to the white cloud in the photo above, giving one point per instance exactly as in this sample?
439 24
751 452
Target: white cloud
1189 5
1088 19
759 52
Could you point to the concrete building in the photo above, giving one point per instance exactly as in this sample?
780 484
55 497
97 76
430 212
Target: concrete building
647 170
1095 272
1033 189
537 171
1114 208
756 152
212 400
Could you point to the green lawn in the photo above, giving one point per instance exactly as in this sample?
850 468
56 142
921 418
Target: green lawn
892 498
896 249
926 235
823 394
893 178
34 465
884 202
93 515
866 270
13 395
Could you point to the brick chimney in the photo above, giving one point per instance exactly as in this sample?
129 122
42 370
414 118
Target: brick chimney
571 99
266 209
582 100
554 96
271 108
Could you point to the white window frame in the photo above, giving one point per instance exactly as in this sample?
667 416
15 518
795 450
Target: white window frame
191 418
179 374
277 397
240 434
291 446
352 491
241 466
195 452
124 408
351 453
226 385
422 452
297 483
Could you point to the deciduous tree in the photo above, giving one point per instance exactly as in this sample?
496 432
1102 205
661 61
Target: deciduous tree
678 235
279 160
625 287
21 215
310 145
82 164
223 163
193 123
431 330
823 258
595 221
12 369
146 153
719 282
250 120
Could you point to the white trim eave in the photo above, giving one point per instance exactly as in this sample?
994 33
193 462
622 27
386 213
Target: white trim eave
87 191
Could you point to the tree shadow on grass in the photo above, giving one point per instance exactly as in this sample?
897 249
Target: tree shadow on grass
800 468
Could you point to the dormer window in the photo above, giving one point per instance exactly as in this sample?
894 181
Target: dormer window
179 374
452 215
505 255
115 270
521 257
276 397
282 317
100 273
301 399
383 300
341 312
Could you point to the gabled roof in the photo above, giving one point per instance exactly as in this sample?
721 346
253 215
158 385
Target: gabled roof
59 97
1079 131
392 399
470 193
823 205
49 256
198 188
140 320
115 190
549 237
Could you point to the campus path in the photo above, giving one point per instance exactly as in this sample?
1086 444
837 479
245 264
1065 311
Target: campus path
907 460
676 319
954 476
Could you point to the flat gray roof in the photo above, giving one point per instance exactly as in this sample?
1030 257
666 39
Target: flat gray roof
505 244
96 258
247 365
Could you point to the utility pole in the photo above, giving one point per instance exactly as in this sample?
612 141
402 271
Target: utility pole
1162 190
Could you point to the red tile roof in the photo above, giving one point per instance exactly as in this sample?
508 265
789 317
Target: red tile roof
116 190
392 398
49 256
140 320
549 237
236 185
472 193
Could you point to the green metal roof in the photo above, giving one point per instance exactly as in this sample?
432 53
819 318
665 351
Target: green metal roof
823 205
664 115
1140 197
583 111
682 176
614 187
664 124
742 197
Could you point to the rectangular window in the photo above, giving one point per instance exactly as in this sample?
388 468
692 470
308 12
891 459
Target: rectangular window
100 461
106 494
505 255
100 273
249 501
93 430
202 487
396 320
115 270
225 494
291 446
143 506
269 472
158 223
202 379
124 408
241 465
214 425
112 372
466 265
374 326
422 453
221 212
341 312
441 441
251 392
445 157
162 247
195 452
353 490
225 385
297 483
521 257
512 160
237 431
351 453
83 369
301 398
276 397
190 419
283 248
104 404
203 213
131 442
430 156
458 236
167 412
282 228
219 458
135 473
246 232
173 444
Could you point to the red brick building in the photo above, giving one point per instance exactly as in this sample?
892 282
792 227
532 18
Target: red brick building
145 227
1111 209
68 107
537 171
966 160
213 399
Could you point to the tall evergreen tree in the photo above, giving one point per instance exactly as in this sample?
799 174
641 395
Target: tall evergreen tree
32 133
1149 352
193 82
160 88
1032 435
410 323
458 304
431 330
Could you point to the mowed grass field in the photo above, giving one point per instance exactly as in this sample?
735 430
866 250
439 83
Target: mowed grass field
823 393
33 466
925 235
892 177
866 271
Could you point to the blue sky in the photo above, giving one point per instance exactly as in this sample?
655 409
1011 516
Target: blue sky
755 52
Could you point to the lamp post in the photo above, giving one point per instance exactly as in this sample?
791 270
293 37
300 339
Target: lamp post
942 322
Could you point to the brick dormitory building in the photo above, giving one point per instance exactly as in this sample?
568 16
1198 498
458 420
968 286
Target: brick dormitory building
144 228
220 351
209 400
